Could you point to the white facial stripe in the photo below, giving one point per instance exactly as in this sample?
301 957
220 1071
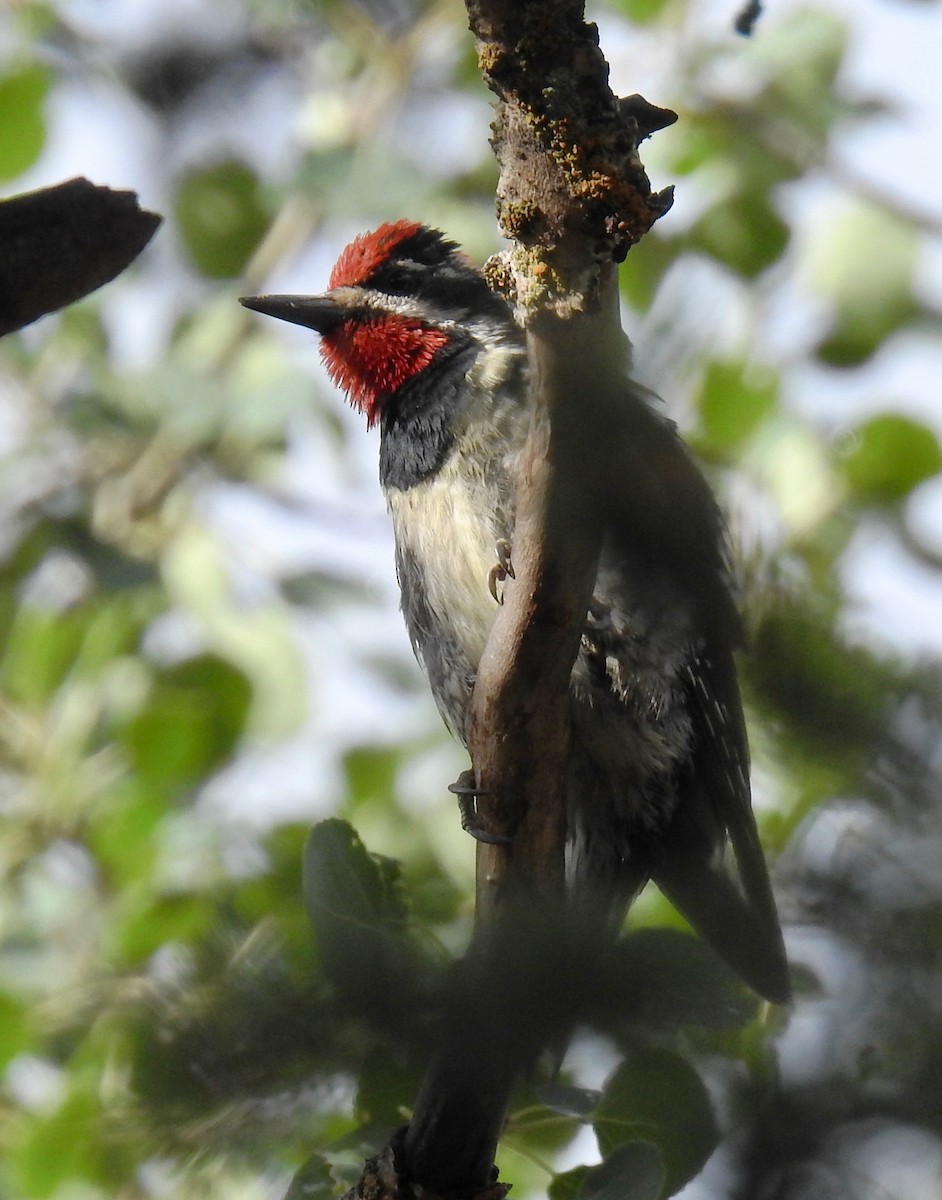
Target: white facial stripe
488 332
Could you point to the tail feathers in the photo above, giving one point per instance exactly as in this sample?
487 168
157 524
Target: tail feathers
746 938
733 909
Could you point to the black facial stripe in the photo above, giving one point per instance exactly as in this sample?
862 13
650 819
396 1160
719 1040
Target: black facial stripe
451 290
417 426
430 268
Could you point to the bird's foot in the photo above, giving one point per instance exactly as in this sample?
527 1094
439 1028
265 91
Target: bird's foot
599 616
501 570
467 791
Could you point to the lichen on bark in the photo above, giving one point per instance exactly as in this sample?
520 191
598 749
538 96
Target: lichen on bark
573 195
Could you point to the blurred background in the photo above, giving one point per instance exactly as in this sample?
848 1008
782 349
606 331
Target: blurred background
201 650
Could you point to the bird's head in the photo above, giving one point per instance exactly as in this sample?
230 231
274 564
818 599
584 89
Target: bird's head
398 301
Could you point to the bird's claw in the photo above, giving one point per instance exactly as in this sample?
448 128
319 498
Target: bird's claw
501 570
467 791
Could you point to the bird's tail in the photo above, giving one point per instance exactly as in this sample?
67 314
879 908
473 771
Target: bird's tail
608 865
736 916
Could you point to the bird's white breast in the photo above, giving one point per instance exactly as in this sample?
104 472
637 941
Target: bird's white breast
450 524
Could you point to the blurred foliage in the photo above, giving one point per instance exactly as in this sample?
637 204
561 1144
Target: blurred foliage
221 218
196 661
22 95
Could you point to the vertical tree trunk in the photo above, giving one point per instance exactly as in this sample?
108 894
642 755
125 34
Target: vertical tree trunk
572 198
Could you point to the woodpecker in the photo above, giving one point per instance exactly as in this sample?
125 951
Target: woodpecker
658 781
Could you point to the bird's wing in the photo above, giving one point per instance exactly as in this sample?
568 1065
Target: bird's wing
737 916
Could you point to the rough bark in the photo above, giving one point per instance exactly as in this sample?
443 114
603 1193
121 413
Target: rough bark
573 197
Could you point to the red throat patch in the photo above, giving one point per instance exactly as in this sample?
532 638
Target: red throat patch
368 251
371 360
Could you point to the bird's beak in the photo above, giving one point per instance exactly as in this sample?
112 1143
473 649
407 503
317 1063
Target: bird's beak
322 313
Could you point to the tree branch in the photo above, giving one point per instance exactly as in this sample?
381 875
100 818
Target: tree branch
574 197
60 243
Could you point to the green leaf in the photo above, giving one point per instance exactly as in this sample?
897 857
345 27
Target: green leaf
371 773
742 231
729 147
356 908
143 923
803 53
536 1131
386 1089
643 12
57 1155
656 1096
114 628
41 648
735 398
221 218
272 895
14 1035
341 874
124 843
832 702
191 723
568 1185
856 335
45 644
312 1181
632 1172
865 265
22 99
889 455
645 267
